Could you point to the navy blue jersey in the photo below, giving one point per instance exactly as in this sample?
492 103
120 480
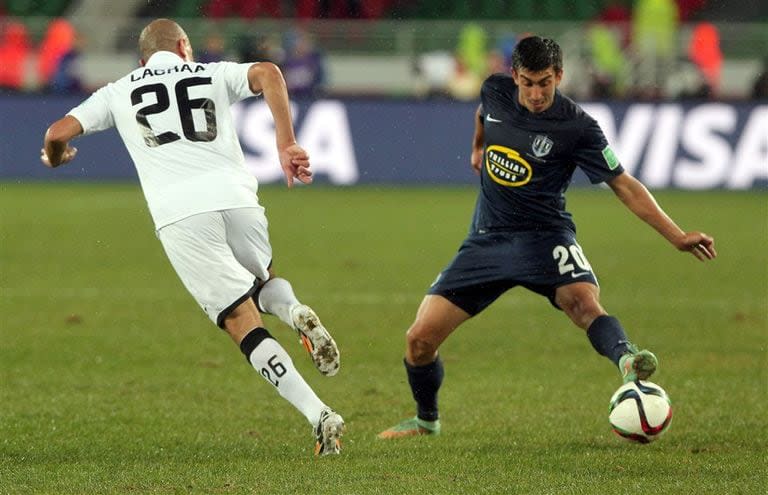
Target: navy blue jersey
529 159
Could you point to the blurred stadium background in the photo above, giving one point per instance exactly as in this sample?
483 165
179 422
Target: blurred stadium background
679 86
112 382
615 48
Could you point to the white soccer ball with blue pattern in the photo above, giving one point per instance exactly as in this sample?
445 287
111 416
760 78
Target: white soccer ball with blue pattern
640 411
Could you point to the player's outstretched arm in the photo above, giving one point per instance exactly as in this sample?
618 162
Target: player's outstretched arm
265 77
56 149
642 203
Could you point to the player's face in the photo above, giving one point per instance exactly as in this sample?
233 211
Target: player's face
537 89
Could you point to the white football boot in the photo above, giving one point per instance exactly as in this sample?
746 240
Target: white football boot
316 339
328 433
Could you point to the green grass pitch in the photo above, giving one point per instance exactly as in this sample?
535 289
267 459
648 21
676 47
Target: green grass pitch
112 380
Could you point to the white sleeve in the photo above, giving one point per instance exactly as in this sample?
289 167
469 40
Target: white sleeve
236 76
94 114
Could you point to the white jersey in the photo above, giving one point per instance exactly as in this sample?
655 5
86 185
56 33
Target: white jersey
174 118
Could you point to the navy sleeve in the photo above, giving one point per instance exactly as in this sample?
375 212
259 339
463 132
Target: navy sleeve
594 156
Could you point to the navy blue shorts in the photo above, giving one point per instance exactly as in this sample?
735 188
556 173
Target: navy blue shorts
489 264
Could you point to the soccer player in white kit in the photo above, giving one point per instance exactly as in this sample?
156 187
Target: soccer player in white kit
173 116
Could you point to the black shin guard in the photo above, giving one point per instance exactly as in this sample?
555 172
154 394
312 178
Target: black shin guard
252 340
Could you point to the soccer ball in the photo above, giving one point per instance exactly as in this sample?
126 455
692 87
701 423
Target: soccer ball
640 411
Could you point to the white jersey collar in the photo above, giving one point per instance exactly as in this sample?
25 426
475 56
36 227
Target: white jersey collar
164 59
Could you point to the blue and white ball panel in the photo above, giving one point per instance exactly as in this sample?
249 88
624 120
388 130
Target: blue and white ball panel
640 411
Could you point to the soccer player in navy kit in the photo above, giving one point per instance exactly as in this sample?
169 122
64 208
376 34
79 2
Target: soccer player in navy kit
528 141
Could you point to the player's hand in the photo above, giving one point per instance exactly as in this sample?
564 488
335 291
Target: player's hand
67 156
295 163
476 160
699 244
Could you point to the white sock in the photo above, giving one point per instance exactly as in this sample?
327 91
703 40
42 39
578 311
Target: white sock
275 365
277 298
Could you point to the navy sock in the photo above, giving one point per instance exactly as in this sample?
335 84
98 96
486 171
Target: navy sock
608 337
425 382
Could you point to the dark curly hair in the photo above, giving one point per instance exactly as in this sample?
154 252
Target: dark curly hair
536 54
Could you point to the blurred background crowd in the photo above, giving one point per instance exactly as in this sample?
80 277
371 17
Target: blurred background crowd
614 49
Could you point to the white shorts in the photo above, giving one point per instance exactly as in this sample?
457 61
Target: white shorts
220 256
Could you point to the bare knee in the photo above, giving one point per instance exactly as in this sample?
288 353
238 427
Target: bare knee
581 306
420 347
436 319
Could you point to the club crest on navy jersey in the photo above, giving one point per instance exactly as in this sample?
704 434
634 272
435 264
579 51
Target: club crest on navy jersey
542 145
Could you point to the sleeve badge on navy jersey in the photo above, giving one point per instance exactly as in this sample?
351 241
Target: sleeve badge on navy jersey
610 158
